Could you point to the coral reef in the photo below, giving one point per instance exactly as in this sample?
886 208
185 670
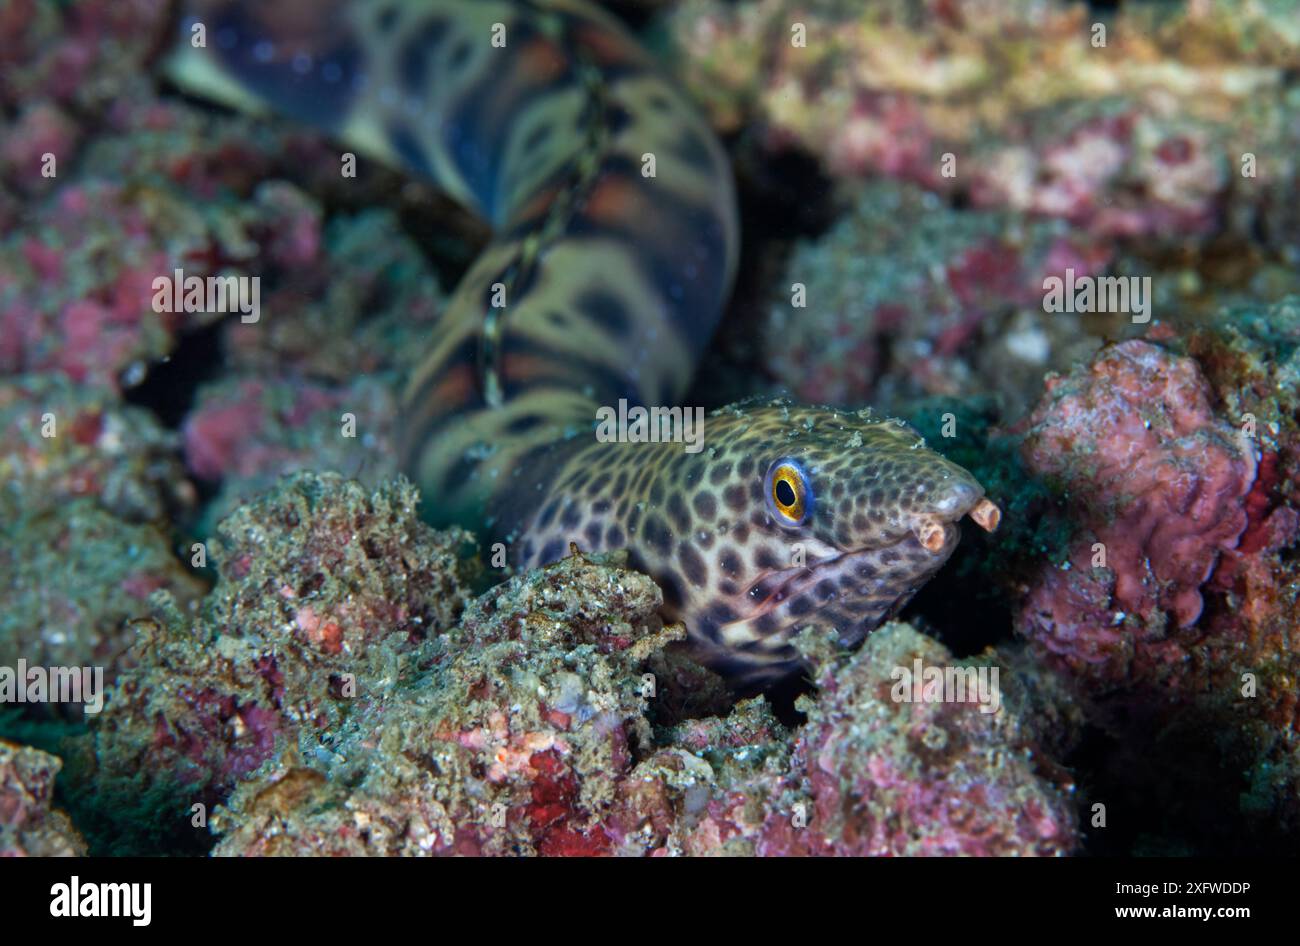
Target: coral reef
83 56
1158 485
906 297
285 404
89 487
542 756
519 738
61 441
29 827
1143 122
870 774
1180 472
324 588
342 690
73 578
246 433
332 696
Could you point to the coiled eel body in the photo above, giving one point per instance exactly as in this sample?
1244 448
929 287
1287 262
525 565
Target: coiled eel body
615 247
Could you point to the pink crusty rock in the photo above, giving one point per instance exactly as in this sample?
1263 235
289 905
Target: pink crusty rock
29 827
889 777
1158 483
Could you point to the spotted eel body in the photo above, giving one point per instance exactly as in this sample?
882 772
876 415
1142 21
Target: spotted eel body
614 252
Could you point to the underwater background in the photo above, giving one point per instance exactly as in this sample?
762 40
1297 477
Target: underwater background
1059 239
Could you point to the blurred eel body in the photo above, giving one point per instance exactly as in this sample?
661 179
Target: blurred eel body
614 249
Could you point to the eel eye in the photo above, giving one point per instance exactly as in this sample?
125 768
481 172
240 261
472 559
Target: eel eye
789 497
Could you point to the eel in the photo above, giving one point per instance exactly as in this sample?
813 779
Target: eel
615 246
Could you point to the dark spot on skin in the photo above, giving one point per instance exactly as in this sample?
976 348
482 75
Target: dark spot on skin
656 493
592 534
606 310
413 60
728 587
720 474
321 96
572 516
671 586
678 513
692 149
524 424
721 614
767 623
765 559
548 514
657 535
826 589
694 568
730 562
460 55
617 119
736 498
601 506
614 537
800 606
552 551
706 507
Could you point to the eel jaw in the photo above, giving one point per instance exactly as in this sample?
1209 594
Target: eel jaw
933 532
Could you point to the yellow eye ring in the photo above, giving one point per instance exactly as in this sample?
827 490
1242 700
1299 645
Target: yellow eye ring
789 498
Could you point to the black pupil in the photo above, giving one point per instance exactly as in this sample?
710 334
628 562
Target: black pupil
784 493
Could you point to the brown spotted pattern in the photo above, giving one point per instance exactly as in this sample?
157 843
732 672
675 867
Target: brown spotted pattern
613 280
741 580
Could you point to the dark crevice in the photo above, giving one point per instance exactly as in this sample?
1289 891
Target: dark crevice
170 386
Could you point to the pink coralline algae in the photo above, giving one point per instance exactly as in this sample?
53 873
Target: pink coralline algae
85 55
906 297
29 826
72 580
1146 132
246 433
1159 485
528 743
41 130
1112 169
341 331
324 587
871 774
518 737
61 441
77 288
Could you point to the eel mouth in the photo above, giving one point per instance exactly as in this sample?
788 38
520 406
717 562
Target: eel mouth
936 533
